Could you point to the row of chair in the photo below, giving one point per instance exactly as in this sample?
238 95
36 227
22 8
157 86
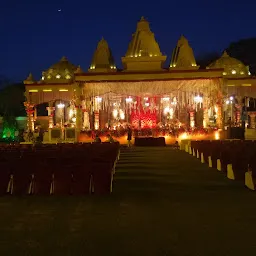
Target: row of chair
237 158
61 170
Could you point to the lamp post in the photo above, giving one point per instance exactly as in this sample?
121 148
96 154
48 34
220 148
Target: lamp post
230 102
61 106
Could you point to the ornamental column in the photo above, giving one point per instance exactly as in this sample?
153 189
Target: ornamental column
205 118
86 119
192 118
219 116
252 116
96 119
50 110
30 115
79 113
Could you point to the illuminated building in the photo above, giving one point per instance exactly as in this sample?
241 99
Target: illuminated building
144 94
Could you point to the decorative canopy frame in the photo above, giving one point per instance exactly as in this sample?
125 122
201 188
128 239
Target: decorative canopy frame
210 88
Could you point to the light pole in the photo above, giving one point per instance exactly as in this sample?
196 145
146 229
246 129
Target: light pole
61 106
230 102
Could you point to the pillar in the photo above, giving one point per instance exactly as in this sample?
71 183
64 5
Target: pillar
30 115
192 119
86 123
238 116
252 116
79 111
205 118
50 115
79 117
96 120
219 116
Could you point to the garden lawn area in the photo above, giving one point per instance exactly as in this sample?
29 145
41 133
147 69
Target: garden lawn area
164 202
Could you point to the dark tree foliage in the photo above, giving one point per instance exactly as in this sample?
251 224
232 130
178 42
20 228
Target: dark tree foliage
205 60
244 50
4 82
12 100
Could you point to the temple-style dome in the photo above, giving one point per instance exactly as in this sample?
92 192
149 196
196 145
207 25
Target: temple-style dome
232 66
183 56
102 60
60 72
143 51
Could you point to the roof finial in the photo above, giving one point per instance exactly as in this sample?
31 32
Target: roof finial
64 58
225 54
78 70
30 77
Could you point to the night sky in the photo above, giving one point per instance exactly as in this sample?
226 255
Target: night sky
35 35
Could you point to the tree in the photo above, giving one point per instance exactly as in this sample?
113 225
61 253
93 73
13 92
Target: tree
245 51
12 100
4 81
206 59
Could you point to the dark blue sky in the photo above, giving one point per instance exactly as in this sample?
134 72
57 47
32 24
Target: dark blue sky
34 35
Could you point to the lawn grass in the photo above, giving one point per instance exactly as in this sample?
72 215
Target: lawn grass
164 202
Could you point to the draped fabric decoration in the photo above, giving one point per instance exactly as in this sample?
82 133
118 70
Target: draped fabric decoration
154 88
146 104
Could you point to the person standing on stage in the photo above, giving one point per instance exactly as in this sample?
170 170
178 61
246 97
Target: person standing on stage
129 136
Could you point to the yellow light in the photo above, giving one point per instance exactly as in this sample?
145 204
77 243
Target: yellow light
47 90
71 113
233 72
166 110
150 55
42 77
183 136
122 115
63 90
224 73
242 73
216 109
115 113
58 76
33 90
68 76
216 135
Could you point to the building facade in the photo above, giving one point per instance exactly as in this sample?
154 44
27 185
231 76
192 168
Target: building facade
143 94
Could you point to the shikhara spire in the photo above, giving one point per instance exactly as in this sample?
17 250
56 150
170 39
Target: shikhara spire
102 60
183 55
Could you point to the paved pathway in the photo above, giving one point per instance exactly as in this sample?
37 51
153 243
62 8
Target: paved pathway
182 207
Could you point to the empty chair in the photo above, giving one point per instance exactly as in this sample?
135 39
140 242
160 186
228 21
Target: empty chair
81 179
5 174
102 177
43 177
62 179
22 177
